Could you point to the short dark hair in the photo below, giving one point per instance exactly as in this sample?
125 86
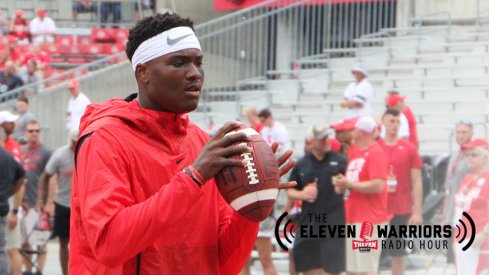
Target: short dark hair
392 112
32 122
152 26
23 99
265 113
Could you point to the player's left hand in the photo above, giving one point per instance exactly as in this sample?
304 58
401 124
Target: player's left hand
284 166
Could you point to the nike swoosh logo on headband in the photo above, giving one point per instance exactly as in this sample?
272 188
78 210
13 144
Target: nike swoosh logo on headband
172 42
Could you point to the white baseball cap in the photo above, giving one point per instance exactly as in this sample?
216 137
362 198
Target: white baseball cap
6 116
360 68
316 132
366 124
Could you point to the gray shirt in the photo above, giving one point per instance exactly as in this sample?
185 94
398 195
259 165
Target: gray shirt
61 163
21 123
35 160
456 171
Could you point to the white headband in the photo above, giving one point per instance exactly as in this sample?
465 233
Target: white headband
176 39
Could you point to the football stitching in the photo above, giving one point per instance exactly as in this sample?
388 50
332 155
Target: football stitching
250 169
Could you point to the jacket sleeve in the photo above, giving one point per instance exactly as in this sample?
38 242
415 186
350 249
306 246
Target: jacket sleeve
118 228
237 236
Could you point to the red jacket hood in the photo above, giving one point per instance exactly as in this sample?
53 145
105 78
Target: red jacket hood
151 123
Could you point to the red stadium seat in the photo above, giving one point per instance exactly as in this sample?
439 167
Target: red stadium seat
65 40
121 33
94 49
113 48
103 35
7 39
84 40
52 48
76 60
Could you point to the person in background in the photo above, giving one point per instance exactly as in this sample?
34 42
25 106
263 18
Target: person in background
7 122
359 94
314 173
11 180
57 200
108 7
396 101
42 28
35 156
22 108
83 6
274 131
9 79
253 119
19 27
30 74
343 131
473 198
76 105
365 192
4 24
456 170
405 190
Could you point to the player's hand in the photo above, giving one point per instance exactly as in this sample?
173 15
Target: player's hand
283 167
218 151
12 220
49 208
310 193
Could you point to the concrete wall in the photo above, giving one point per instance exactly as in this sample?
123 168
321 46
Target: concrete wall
198 10
50 107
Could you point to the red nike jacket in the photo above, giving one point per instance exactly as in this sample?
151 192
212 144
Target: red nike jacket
130 197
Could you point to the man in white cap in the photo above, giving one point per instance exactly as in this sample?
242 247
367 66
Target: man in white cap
359 94
7 122
76 105
57 200
365 194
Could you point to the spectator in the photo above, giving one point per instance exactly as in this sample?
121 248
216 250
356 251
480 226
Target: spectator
456 170
274 131
253 119
35 156
365 192
405 190
83 6
343 133
14 54
314 188
4 24
9 79
359 94
108 7
473 197
395 100
60 164
19 27
76 105
7 121
11 180
29 75
22 108
42 28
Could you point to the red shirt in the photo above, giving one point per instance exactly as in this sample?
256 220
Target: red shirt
14 148
403 157
40 57
413 131
20 30
130 196
365 165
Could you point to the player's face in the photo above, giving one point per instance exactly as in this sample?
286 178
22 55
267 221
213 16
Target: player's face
174 82
392 124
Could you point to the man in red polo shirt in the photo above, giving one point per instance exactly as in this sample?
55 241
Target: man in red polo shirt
396 101
365 193
405 191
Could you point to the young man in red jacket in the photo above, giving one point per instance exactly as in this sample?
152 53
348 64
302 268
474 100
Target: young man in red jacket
143 198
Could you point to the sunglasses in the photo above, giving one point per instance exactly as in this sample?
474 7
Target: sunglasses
34 131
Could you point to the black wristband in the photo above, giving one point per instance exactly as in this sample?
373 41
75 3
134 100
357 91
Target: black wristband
189 173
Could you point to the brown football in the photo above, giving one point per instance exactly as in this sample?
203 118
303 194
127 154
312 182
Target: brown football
252 189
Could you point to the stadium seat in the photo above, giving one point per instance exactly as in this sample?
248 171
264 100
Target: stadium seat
65 40
84 40
113 49
52 48
93 49
103 35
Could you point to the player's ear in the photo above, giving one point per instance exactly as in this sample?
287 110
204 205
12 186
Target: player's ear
142 73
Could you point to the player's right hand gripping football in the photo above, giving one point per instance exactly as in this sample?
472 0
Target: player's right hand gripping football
217 152
284 166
